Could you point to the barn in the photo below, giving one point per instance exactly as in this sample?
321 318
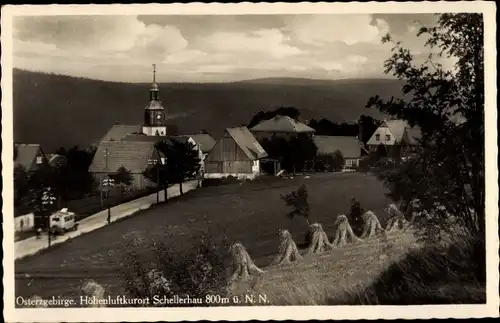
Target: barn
237 153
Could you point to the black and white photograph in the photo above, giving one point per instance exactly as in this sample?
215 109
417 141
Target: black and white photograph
277 156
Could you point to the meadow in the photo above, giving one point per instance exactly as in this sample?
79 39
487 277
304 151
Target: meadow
251 213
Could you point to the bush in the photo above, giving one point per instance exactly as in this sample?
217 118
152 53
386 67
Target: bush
194 272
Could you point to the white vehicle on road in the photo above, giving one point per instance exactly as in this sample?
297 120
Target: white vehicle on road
63 221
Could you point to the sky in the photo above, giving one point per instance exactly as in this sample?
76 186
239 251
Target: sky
214 48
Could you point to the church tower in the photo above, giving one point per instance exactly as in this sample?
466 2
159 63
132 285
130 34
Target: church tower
154 113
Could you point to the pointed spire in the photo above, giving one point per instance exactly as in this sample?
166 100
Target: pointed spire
154 73
154 91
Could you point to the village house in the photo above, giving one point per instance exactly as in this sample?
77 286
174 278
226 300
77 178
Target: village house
169 139
350 148
237 153
29 156
134 156
281 126
394 136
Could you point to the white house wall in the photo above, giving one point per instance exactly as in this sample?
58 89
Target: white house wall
24 222
382 131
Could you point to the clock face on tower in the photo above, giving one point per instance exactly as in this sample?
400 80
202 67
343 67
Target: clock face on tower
159 119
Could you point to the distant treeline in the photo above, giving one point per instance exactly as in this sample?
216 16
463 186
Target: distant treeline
82 110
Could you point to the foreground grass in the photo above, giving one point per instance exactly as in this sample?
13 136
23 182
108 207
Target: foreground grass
395 272
331 277
433 275
251 213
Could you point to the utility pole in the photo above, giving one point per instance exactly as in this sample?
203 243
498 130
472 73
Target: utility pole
106 184
157 162
48 199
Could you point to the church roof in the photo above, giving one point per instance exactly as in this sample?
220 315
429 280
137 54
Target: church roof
282 124
155 139
247 142
154 105
133 155
120 131
350 147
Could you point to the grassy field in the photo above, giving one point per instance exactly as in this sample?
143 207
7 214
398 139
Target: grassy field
251 213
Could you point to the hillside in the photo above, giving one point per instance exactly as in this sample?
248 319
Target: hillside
56 110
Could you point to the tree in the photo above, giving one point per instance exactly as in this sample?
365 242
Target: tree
448 106
122 176
367 126
325 127
72 179
302 149
21 185
337 161
298 201
182 162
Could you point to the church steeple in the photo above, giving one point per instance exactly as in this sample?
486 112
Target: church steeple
154 92
154 113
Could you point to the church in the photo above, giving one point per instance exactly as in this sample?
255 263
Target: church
133 146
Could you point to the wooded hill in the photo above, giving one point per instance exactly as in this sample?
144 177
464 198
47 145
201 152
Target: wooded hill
56 110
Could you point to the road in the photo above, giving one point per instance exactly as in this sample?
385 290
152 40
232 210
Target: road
32 245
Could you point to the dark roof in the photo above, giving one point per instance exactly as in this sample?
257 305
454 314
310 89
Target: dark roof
26 154
282 124
154 139
154 105
247 142
350 147
120 131
133 155
205 141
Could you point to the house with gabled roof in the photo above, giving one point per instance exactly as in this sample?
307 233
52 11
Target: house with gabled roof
282 126
135 156
350 148
392 134
179 138
28 156
237 153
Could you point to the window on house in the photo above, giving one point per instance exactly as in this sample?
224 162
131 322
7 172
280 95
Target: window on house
39 159
387 137
377 137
